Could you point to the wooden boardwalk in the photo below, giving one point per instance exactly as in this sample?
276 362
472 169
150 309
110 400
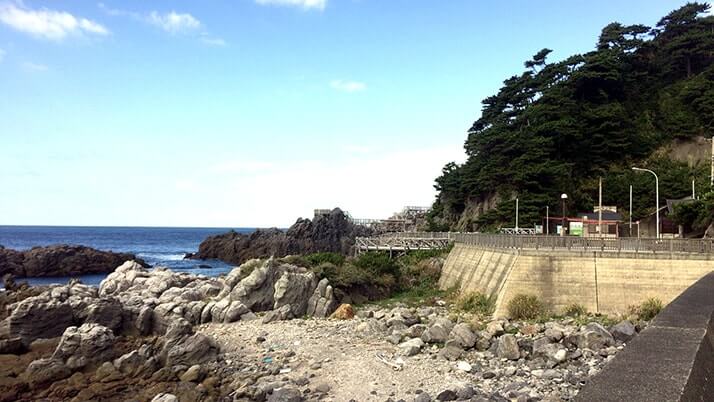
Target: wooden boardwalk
399 244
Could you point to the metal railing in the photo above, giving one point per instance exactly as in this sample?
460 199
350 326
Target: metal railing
539 242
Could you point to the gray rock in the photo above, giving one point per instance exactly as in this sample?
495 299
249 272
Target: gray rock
508 347
38 317
416 330
87 345
594 337
286 394
463 335
194 373
554 334
438 332
446 395
294 289
422 397
465 392
195 349
11 346
164 397
451 351
235 311
411 347
46 371
281 314
555 352
256 291
323 301
623 331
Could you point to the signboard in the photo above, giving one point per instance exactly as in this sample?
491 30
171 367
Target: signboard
576 229
539 229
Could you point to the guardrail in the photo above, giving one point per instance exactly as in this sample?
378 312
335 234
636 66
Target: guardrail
568 243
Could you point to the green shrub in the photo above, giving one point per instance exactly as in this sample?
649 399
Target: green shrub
476 302
315 259
649 308
424 274
525 307
575 310
377 264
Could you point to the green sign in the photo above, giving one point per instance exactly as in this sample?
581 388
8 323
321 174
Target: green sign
576 229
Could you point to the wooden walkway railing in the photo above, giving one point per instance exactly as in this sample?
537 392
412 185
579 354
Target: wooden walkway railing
436 240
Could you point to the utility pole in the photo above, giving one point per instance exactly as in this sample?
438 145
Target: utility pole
562 228
694 194
599 216
656 193
547 219
516 215
630 210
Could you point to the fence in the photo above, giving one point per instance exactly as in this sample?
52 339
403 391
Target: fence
540 242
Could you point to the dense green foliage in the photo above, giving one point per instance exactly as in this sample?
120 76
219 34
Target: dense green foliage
558 127
648 309
696 216
319 258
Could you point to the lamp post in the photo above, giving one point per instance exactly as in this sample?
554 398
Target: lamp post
516 215
562 228
656 193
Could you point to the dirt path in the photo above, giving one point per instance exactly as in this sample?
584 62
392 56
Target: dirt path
339 354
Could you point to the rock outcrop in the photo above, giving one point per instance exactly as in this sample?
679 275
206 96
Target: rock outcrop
332 232
60 260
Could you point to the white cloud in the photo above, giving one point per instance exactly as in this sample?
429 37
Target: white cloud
2 55
213 41
34 67
306 4
174 22
47 24
348 86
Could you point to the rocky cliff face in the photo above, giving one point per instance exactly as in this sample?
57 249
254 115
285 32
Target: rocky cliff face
332 232
60 260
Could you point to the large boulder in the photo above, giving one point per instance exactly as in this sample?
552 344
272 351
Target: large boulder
60 260
294 289
257 290
323 301
182 346
87 345
38 317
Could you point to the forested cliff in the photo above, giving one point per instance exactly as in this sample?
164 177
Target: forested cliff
558 127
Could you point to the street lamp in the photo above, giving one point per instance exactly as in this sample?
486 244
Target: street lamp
656 193
562 228
516 215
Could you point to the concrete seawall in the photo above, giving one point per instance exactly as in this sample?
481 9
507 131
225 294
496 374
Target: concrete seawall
605 282
671 360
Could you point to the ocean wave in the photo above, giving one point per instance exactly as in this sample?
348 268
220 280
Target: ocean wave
162 256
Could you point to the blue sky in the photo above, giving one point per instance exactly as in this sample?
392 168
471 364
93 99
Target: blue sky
254 112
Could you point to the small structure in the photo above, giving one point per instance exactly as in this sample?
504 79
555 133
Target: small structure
668 228
587 224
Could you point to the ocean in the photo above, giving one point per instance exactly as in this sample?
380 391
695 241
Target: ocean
158 246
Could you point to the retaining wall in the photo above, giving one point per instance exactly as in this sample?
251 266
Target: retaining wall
671 360
606 282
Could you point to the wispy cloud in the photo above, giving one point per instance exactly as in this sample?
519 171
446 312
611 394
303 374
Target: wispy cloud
175 23
306 4
348 86
212 41
34 67
47 24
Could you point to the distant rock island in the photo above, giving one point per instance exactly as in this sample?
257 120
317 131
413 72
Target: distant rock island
332 232
60 260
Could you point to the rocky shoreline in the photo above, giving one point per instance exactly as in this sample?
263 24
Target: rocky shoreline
60 260
262 333
332 232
